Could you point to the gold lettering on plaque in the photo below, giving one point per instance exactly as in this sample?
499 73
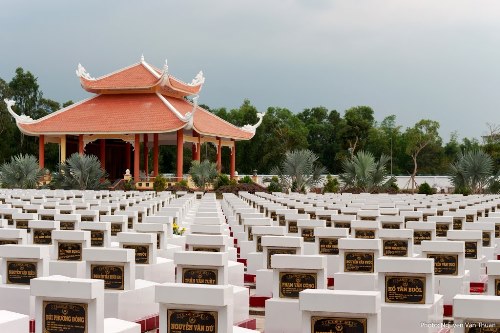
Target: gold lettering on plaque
62 317
471 250
272 251
338 324
191 321
292 283
141 252
21 272
199 276
359 262
405 289
328 246
364 233
395 247
421 235
42 236
444 264
113 275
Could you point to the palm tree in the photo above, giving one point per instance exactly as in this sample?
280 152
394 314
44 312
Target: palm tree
203 173
22 172
299 171
472 172
362 172
81 172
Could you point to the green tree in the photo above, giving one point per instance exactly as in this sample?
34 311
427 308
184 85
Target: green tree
358 122
300 170
80 172
22 172
418 137
472 172
203 173
362 172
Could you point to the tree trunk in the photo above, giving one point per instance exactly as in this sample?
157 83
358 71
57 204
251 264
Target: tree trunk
415 168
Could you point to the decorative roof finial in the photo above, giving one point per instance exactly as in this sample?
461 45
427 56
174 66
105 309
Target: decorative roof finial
23 119
165 67
142 57
198 79
253 128
82 73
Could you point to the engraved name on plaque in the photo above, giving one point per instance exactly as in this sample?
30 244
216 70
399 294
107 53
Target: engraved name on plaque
405 289
338 324
116 228
9 241
292 227
457 224
272 251
97 238
292 283
389 225
249 231
364 234
328 246
22 224
113 275
421 235
69 251
486 238
206 249
42 236
62 317
199 276
471 250
191 321
359 262
497 287
442 229
259 243
141 252
444 264
308 235
395 247
21 272
67 225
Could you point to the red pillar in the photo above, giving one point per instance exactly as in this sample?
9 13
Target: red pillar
146 154
194 149
102 151
137 149
198 151
233 161
80 144
127 155
219 155
180 153
155 155
41 151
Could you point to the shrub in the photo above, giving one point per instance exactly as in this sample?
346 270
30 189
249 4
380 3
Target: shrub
274 187
203 173
80 172
332 185
246 180
128 185
183 182
221 180
425 188
160 183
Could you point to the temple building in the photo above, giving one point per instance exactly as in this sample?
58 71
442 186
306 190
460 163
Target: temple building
134 105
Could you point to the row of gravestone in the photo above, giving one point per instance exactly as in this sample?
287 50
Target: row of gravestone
128 295
356 260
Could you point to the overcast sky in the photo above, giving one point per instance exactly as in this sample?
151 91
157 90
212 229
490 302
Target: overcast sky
435 59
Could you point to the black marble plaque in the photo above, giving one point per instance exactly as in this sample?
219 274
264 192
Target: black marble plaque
497 230
158 240
471 250
61 317
22 224
9 219
444 264
359 262
395 247
497 287
338 324
69 251
97 238
87 218
206 249
141 252
328 246
116 228
273 216
469 218
411 218
368 218
65 211
47 217
389 225
42 236
405 289
421 235
259 243
364 234
481 327
249 232
308 235
9 241
271 251
292 283
442 229
191 321
199 276
67 225
457 224
282 221
486 238
130 222
342 225
21 272
292 227
113 275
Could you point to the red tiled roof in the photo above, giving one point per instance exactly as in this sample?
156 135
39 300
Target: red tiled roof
130 113
135 76
127 113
